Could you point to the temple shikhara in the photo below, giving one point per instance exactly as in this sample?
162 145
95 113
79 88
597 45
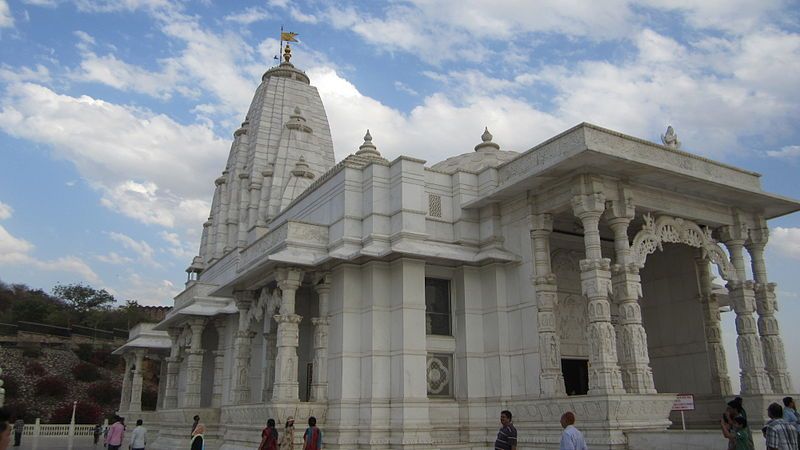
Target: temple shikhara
405 303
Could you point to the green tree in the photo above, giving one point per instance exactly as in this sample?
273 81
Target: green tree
82 298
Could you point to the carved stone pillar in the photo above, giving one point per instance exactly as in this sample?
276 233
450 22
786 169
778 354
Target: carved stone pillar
263 202
136 382
604 373
219 363
173 366
551 379
244 209
766 304
720 382
634 360
222 216
125 397
194 364
319 384
754 378
271 344
241 370
286 387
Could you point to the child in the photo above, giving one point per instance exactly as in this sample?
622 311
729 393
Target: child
739 437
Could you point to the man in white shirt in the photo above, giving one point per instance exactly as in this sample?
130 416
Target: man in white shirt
139 436
571 437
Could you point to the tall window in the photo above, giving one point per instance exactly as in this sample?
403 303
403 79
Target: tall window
437 306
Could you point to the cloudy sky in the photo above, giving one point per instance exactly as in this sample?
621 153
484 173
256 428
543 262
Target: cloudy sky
116 116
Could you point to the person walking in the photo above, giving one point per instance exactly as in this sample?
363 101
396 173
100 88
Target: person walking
287 440
269 437
98 430
139 436
571 437
312 438
198 438
19 427
790 414
738 434
780 434
116 432
507 436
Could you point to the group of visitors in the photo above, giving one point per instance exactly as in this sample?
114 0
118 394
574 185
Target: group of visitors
571 437
312 438
781 432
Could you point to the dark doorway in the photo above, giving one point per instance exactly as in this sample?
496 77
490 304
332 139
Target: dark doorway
576 376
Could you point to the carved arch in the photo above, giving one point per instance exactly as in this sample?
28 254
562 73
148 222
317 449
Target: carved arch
267 304
655 233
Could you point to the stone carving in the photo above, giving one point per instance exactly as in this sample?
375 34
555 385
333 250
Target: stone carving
670 139
675 230
439 374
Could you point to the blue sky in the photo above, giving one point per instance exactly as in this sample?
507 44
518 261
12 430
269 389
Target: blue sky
116 116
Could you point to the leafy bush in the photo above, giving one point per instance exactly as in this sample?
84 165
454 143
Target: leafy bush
11 385
85 352
20 410
35 369
32 352
85 413
102 358
85 372
105 392
51 386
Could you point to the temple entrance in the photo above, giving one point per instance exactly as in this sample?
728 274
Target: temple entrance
576 376
672 315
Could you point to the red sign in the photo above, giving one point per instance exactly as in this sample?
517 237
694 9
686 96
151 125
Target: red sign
683 402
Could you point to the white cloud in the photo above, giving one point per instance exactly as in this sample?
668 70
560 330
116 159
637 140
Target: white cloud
146 165
40 74
5 211
6 19
786 241
790 152
127 77
147 291
114 258
402 87
16 252
179 248
141 248
248 16
43 3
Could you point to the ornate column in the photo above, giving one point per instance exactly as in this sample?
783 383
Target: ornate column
753 377
766 304
219 363
604 373
319 384
194 364
222 215
244 209
173 366
125 398
270 344
720 382
634 360
241 378
136 384
551 380
286 387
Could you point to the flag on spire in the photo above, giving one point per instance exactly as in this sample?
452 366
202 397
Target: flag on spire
288 36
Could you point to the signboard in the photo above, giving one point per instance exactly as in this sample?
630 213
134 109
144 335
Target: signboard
683 402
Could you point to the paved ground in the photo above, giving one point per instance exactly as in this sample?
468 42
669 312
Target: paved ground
58 443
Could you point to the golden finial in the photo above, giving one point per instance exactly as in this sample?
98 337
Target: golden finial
287 52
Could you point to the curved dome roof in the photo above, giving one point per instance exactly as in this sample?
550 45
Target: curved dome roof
487 154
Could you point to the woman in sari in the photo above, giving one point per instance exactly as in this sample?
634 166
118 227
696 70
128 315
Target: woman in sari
287 440
269 437
198 442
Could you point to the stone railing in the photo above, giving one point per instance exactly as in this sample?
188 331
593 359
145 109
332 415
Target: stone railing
57 430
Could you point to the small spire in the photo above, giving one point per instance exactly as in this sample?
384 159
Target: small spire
301 169
297 115
670 138
487 144
368 148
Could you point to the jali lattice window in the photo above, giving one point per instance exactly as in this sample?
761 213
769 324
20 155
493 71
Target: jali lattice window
440 375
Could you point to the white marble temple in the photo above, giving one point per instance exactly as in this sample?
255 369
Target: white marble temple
405 304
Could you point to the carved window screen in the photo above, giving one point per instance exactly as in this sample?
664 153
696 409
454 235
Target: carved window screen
434 205
440 375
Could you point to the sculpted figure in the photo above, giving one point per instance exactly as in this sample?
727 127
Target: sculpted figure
670 139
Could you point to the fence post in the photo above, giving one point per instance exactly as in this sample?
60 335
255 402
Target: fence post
37 427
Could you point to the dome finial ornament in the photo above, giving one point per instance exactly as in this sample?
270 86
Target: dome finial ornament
487 144
368 148
287 53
